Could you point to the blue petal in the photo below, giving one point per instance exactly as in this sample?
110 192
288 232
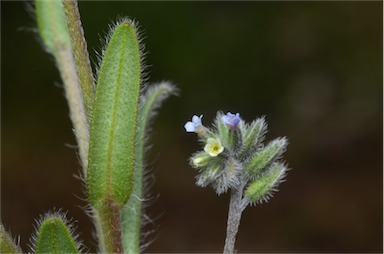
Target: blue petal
225 119
197 120
189 127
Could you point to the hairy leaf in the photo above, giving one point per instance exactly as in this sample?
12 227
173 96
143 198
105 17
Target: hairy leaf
114 120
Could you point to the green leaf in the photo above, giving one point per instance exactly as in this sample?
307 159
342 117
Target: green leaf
265 156
54 236
7 245
262 188
52 24
113 125
54 33
80 53
132 212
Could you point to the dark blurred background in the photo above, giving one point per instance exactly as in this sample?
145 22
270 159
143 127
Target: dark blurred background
313 68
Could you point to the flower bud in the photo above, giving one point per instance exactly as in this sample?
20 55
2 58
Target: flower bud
201 159
265 156
208 175
262 188
252 135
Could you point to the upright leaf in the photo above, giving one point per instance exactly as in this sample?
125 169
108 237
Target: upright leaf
132 212
53 30
80 53
113 124
52 25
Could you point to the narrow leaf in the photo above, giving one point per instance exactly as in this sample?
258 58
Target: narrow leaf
52 24
54 33
80 52
113 125
132 212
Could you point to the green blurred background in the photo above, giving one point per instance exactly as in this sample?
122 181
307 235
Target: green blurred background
313 68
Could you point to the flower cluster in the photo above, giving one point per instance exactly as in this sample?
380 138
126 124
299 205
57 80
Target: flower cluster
234 157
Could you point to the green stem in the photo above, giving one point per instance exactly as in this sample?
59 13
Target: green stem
110 227
99 230
80 52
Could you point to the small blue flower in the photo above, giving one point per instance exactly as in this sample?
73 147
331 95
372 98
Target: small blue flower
195 125
231 120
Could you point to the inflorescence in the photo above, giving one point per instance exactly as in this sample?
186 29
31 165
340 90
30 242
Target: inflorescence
234 157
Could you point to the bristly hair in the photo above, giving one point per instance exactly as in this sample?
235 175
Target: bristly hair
165 89
31 10
104 40
5 235
274 187
86 207
69 223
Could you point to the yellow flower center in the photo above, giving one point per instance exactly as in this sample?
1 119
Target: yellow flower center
216 147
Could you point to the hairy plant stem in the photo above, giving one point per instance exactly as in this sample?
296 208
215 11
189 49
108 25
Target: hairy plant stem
108 225
68 72
80 52
236 208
